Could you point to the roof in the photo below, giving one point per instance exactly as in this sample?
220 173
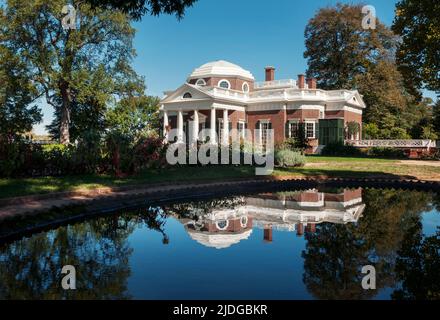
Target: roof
220 68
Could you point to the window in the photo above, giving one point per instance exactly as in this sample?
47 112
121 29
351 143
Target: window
242 129
244 221
310 129
187 95
264 126
293 128
200 82
222 224
224 84
245 87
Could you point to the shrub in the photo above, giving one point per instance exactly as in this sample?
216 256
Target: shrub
289 158
386 152
340 149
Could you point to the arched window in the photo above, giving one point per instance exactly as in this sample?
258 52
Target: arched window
224 84
200 82
187 95
245 87
222 224
243 222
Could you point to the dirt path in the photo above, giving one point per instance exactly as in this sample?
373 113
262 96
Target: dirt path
420 163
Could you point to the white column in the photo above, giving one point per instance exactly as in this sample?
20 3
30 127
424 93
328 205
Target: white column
196 126
213 140
225 138
180 126
165 125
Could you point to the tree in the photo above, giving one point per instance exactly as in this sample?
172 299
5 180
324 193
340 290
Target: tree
137 8
16 95
418 57
63 62
436 117
385 96
338 48
135 116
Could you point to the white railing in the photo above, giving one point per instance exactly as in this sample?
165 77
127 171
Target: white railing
222 92
275 84
392 143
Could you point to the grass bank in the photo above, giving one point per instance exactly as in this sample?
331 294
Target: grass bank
317 166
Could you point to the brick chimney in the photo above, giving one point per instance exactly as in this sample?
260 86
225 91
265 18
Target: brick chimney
301 81
267 234
270 73
311 82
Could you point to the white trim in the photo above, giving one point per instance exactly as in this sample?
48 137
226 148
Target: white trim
242 87
224 80
201 80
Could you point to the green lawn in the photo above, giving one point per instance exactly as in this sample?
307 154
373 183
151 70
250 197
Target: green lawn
317 166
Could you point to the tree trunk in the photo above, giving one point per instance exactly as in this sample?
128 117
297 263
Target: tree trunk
65 113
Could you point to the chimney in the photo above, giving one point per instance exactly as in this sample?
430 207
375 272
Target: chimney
301 79
270 73
267 233
311 82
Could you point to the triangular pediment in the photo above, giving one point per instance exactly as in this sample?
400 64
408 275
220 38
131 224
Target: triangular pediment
186 93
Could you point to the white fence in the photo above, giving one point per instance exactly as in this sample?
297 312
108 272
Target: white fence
425 144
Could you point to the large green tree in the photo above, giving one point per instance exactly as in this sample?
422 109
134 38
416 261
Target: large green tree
338 48
17 93
418 57
64 62
137 8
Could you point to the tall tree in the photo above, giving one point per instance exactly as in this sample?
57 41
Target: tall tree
418 57
62 61
137 8
338 48
17 93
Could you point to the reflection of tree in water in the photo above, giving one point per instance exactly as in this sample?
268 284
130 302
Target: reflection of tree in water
418 266
335 254
31 267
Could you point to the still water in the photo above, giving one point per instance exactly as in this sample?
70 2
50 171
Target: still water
306 244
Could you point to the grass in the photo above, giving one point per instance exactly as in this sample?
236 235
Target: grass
317 166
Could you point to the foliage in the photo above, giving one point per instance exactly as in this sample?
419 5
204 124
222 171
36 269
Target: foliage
352 129
338 48
370 131
16 94
340 149
384 152
418 23
85 66
137 8
289 158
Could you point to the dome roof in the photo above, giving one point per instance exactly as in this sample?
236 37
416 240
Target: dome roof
220 68
218 240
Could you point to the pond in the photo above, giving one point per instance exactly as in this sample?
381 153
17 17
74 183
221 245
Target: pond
303 244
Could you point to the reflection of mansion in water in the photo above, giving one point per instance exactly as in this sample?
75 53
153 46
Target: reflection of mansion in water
289 211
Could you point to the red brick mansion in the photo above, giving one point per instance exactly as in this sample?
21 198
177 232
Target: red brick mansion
221 96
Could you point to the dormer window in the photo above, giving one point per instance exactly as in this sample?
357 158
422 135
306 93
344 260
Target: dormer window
245 87
201 82
224 84
187 95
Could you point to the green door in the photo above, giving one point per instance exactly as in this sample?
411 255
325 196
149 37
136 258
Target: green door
331 130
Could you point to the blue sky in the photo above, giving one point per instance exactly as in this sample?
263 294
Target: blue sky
250 33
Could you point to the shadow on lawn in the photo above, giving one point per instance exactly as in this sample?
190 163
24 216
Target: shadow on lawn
332 173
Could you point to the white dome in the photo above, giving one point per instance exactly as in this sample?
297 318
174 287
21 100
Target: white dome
218 240
220 68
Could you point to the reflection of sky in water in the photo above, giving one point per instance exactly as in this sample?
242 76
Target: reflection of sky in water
431 222
256 247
